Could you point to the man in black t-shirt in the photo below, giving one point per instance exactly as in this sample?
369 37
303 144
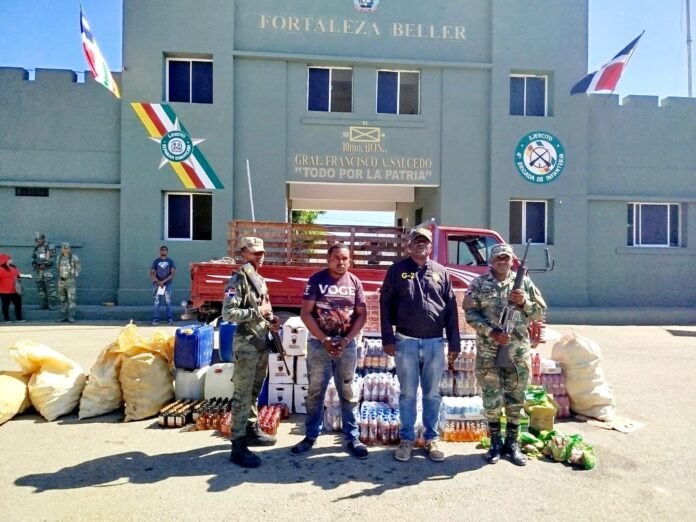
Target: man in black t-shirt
334 312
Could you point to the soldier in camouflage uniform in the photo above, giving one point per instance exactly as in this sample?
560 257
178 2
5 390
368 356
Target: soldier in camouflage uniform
503 387
247 304
42 259
68 271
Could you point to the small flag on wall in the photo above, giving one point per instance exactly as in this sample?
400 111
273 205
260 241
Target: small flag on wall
606 78
97 64
177 146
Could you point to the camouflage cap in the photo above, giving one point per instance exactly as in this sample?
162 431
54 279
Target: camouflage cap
503 249
252 244
65 244
38 235
421 231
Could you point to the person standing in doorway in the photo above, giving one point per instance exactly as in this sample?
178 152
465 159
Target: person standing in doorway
162 272
417 300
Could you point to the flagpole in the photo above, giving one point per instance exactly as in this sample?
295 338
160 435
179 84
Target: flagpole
688 45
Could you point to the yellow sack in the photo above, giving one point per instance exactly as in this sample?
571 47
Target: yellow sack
102 393
14 396
147 384
56 382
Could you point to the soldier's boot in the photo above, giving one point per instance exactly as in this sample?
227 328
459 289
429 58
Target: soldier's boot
242 456
511 448
493 455
257 437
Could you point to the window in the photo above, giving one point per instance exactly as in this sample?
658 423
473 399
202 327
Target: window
330 89
469 250
398 92
654 224
528 220
34 192
189 81
188 216
528 95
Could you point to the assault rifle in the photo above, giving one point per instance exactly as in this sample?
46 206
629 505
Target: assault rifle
509 317
275 342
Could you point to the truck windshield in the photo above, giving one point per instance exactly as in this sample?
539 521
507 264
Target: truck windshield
469 250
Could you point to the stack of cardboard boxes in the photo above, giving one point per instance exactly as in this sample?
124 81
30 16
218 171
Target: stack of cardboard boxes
290 388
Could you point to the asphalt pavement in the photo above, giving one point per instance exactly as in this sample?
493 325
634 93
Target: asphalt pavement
105 469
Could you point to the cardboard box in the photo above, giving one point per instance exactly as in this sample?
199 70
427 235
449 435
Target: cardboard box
301 375
300 396
295 336
542 417
277 373
280 394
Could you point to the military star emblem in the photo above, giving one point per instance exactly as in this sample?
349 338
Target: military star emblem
177 146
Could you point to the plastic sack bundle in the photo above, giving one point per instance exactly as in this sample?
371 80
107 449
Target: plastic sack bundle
14 396
589 393
56 382
102 393
146 374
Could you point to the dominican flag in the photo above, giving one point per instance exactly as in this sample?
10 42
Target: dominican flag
606 78
97 64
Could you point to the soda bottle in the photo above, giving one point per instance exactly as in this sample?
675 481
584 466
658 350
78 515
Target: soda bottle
372 432
364 429
536 364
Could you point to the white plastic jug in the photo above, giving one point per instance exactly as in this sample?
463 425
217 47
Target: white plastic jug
218 381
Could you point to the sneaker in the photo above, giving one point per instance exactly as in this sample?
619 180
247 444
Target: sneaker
303 446
434 453
170 322
8 322
21 320
357 449
403 452
155 322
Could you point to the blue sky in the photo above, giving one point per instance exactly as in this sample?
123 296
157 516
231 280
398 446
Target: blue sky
46 34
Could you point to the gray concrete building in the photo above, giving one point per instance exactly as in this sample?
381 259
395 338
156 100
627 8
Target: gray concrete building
457 111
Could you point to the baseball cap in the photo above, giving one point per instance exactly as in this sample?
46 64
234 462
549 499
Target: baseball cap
252 244
38 235
502 249
420 231
4 258
65 244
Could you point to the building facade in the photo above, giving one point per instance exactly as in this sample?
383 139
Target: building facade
457 111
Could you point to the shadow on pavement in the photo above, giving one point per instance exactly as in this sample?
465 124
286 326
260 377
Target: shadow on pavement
327 468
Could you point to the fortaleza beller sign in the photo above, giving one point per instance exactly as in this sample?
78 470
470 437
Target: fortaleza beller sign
539 157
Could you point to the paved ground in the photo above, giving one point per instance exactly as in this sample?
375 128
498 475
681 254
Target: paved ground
103 468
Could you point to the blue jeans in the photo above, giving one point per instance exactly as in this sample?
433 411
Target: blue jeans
419 360
320 367
167 301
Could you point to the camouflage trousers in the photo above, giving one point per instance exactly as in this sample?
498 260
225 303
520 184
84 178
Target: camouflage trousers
250 367
66 291
46 288
503 387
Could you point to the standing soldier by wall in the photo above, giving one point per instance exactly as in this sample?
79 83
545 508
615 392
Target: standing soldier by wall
42 259
68 271
505 383
247 304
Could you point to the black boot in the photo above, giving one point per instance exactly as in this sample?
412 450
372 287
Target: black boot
257 437
493 455
242 456
511 448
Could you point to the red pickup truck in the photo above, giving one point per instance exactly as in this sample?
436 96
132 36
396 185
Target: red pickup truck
294 252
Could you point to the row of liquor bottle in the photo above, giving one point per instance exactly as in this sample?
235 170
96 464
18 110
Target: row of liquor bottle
464 431
186 411
378 424
372 358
